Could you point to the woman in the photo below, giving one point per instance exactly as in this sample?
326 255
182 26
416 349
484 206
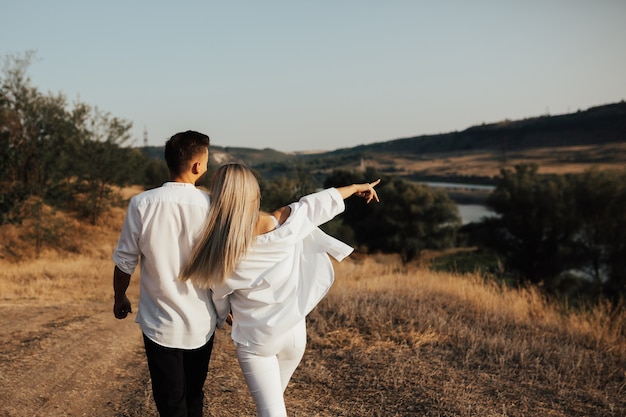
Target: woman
269 270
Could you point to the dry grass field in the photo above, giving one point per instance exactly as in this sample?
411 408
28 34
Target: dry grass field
388 340
558 160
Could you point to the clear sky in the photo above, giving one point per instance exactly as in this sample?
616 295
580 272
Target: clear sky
321 75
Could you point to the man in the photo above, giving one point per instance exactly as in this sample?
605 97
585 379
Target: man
176 318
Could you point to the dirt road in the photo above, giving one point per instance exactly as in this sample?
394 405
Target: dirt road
78 360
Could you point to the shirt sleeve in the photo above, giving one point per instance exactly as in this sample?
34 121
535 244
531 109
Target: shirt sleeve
221 301
126 254
323 206
306 215
326 243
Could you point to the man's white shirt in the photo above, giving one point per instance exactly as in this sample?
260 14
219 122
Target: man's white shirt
160 228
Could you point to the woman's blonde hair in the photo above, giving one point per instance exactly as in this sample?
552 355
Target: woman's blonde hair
235 201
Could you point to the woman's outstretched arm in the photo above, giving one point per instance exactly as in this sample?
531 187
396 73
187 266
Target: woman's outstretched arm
365 191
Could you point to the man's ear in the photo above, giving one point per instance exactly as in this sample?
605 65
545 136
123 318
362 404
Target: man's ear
195 168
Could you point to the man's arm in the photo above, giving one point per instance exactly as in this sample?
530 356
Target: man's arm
122 306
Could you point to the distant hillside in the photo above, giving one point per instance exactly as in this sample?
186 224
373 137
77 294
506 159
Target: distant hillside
596 126
562 143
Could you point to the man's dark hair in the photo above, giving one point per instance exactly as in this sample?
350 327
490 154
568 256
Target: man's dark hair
182 147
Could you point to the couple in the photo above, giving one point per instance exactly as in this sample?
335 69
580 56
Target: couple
203 258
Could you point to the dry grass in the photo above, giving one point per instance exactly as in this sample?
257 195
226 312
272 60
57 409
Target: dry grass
390 340
559 160
83 273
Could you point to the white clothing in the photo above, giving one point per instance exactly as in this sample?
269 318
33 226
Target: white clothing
282 277
267 370
161 227
284 274
275 220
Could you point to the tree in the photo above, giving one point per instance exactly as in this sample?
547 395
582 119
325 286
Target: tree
155 172
104 163
55 156
409 218
281 191
68 157
40 138
536 225
560 230
600 208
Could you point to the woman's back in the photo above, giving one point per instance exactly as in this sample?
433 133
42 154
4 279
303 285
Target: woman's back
285 272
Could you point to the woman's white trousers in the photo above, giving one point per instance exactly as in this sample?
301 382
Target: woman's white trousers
268 369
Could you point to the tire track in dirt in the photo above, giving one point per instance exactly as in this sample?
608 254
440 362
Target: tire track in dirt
69 361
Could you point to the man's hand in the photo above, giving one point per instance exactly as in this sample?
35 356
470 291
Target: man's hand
121 308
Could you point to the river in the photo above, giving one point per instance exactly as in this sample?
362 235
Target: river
469 213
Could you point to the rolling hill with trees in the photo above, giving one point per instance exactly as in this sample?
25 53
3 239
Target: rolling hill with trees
559 144
595 126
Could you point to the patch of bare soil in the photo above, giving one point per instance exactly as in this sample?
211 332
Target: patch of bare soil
78 360
68 360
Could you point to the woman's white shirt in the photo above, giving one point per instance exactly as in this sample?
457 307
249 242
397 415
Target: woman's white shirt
285 273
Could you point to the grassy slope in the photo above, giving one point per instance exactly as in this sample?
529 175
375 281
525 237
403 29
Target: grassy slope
388 341
392 341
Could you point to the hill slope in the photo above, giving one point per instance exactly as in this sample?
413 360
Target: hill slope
564 143
596 126
559 144
385 341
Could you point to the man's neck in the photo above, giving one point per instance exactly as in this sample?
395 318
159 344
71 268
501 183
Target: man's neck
189 179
